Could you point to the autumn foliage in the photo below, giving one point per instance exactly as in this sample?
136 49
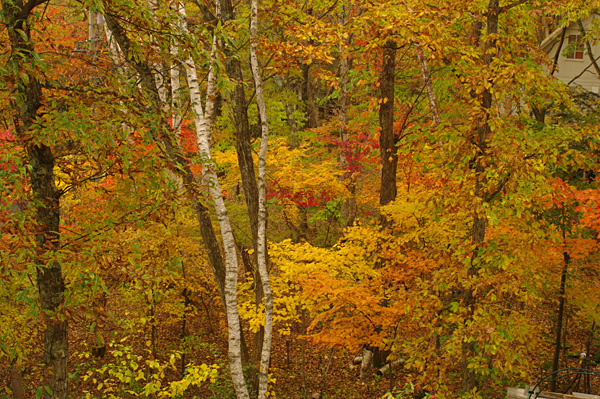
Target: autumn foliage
481 273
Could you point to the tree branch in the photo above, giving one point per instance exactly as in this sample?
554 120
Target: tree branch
557 55
27 8
515 4
582 72
85 90
588 47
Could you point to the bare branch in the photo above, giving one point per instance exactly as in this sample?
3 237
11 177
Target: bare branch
588 47
557 55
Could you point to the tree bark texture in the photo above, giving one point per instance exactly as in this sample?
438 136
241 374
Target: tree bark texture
308 98
51 285
174 75
366 364
265 358
50 282
387 139
16 382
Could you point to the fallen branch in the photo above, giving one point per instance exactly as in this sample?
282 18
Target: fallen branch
385 368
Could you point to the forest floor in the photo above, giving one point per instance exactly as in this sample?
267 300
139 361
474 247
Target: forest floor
300 368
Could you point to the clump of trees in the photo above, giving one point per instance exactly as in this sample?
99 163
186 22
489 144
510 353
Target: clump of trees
403 179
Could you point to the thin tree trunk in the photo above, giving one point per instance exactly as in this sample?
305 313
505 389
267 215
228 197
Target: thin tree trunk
16 382
387 138
224 276
175 83
202 125
561 308
290 109
158 68
233 67
426 75
481 195
558 51
186 305
539 113
262 209
152 305
50 282
433 104
349 205
588 354
588 47
308 98
303 355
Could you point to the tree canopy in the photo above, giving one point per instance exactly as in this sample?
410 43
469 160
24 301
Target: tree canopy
234 200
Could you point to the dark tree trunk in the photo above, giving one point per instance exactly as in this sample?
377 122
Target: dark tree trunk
349 205
560 318
50 282
242 126
539 114
481 194
233 68
181 165
16 382
586 360
175 156
51 285
308 98
186 304
387 139
389 162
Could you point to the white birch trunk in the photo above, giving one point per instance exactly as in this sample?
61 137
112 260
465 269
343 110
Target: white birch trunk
263 375
175 84
175 102
158 68
211 85
202 125
428 86
114 51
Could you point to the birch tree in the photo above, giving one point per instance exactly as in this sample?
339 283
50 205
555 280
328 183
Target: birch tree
262 210
225 274
203 135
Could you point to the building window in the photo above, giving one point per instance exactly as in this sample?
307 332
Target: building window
575 48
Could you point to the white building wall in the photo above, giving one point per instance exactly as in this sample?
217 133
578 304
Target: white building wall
568 69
